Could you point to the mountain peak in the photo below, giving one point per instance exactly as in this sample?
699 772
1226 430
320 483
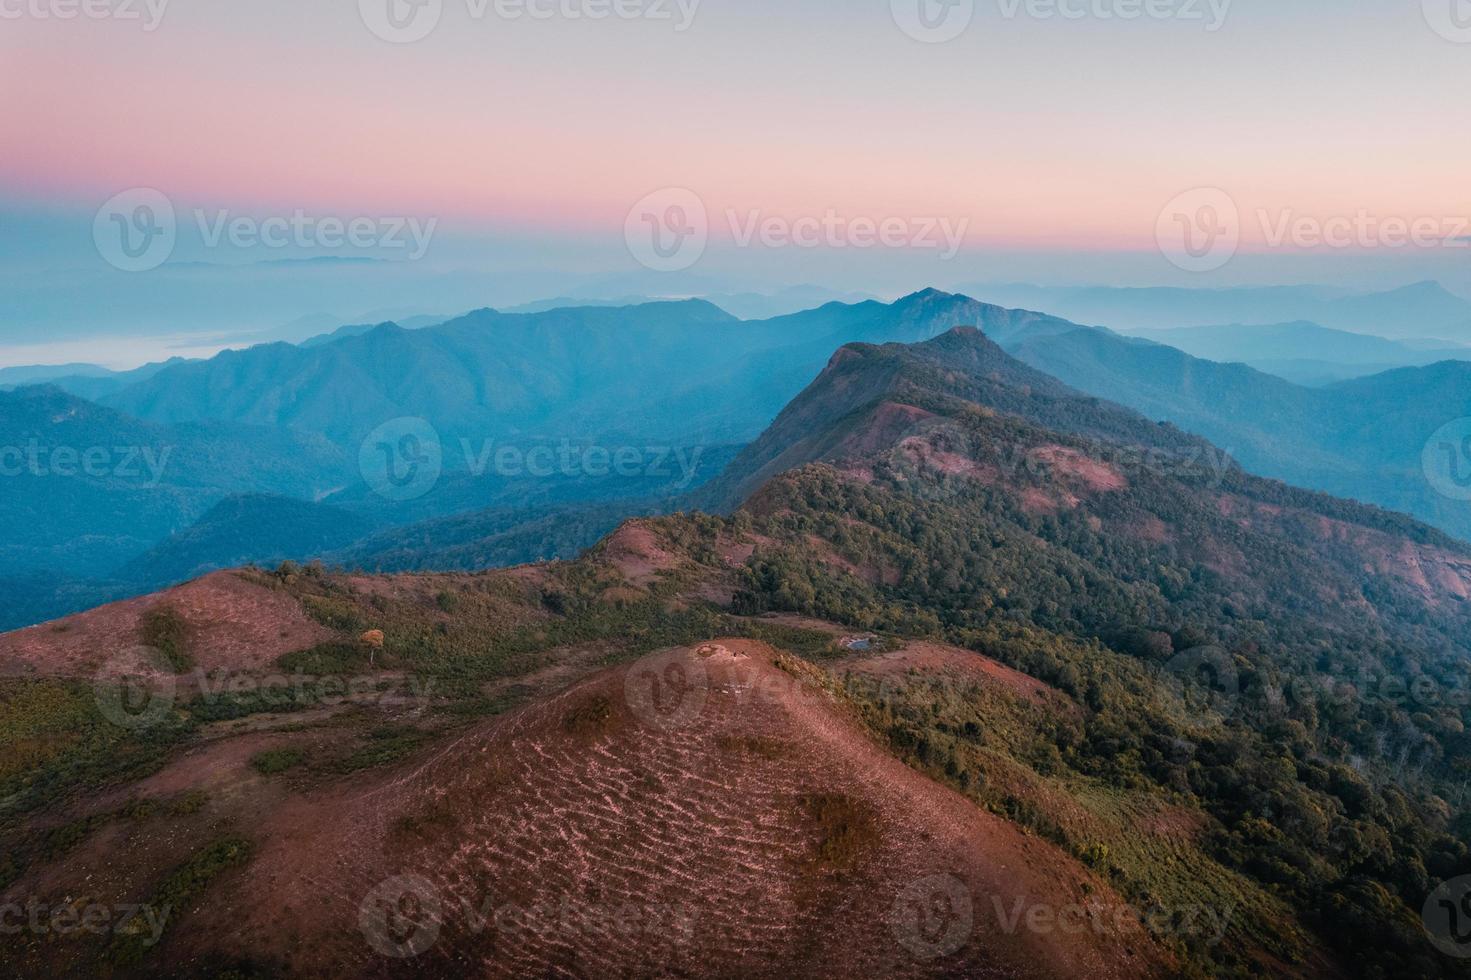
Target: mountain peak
963 331
924 295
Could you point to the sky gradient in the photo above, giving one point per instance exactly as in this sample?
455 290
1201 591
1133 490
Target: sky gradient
1056 141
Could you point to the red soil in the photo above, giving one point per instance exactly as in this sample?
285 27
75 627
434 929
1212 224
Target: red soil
635 551
1433 574
233 624
939 658
1093 474
887 426
760 833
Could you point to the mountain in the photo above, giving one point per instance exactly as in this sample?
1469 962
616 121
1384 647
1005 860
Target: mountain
494 537
245 529
87 488
683 372
1421 310
83 380
95 387
482 375
873 394
358 329
1364 439
686 383
744 306
793 299
1424 309
1302 352
31 374
986 677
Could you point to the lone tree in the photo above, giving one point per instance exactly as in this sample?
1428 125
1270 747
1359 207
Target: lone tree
373 640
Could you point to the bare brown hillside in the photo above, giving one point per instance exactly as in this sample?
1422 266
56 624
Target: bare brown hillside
743 826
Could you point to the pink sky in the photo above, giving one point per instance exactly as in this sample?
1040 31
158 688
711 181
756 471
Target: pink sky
1042 133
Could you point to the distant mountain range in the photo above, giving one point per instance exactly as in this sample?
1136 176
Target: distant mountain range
86 487
1421 311
1362 439
1303 352
957 623
666 381
88 381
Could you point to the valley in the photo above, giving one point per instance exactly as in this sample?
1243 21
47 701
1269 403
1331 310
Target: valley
672 754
